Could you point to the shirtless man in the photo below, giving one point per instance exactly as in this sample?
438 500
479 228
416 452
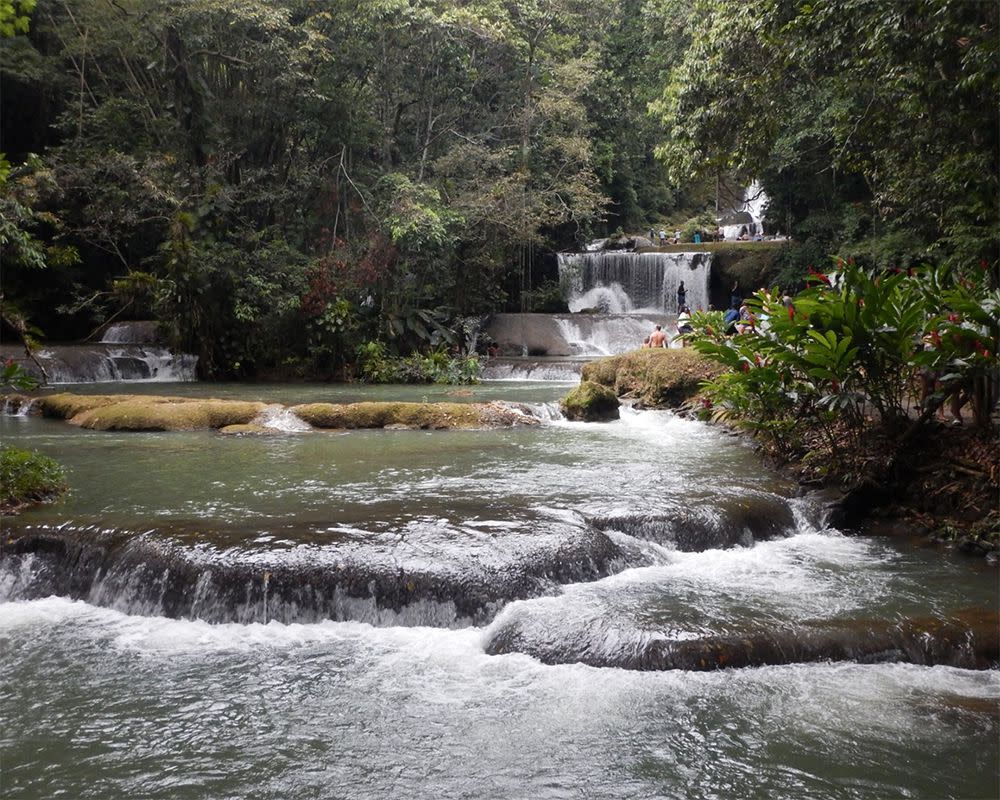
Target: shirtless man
658 338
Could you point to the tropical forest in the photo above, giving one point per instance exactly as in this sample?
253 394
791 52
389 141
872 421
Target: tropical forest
500 398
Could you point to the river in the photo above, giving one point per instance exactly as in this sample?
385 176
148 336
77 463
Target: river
533 554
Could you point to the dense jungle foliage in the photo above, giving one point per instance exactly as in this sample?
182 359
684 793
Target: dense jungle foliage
832 370
314 187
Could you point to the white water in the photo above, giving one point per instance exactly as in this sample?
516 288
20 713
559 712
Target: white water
113 363
754 204
280 418
531 370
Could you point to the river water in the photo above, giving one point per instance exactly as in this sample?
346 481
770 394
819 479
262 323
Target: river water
109 697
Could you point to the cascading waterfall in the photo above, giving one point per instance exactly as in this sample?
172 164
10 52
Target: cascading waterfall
128 352
621 283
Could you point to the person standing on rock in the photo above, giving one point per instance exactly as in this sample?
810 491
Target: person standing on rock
681 297
658 338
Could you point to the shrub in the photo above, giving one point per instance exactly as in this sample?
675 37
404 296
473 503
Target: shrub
27 477
843 356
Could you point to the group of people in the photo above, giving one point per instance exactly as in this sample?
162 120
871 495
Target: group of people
663 238
738 319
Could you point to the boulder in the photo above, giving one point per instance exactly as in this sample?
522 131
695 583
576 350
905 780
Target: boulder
658 378
590 402
422 416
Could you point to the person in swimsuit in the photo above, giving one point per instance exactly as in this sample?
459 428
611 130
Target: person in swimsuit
658 338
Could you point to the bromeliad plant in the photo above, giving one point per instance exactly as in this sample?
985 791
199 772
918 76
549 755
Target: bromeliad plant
843 356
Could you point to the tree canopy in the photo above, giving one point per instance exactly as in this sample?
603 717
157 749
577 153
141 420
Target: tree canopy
283 181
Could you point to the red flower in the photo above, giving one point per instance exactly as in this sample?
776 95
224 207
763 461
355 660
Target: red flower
983 264
746 366
850 260
791 313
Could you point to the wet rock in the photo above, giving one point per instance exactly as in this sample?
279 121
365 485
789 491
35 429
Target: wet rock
727 522
247 430
304 575
967 640
423 416
590 402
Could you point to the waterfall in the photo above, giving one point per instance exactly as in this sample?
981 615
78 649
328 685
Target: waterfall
747 216
105 363
621 283
138 332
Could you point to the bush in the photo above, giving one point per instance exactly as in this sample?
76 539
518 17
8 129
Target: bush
27 477
375 365
842 358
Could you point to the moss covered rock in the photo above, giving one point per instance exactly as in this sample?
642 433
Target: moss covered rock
147 412
423 416
590 402
156 413
658 378
66 405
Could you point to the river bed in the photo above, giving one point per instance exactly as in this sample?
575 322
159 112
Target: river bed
105 698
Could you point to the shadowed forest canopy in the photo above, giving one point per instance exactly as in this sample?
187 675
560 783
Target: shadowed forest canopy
293 184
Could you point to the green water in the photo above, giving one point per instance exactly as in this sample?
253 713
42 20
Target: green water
100 703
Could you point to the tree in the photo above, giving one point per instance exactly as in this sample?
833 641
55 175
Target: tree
892 103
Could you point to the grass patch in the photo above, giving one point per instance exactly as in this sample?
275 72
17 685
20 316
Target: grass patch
658 378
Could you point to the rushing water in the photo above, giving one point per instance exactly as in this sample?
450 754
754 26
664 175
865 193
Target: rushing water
103 698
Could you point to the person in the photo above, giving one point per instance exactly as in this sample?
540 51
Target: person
652 236
684 324
663 237
735 296
731 318
746 320
645 343
930 382
697 237
658 338
681 296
